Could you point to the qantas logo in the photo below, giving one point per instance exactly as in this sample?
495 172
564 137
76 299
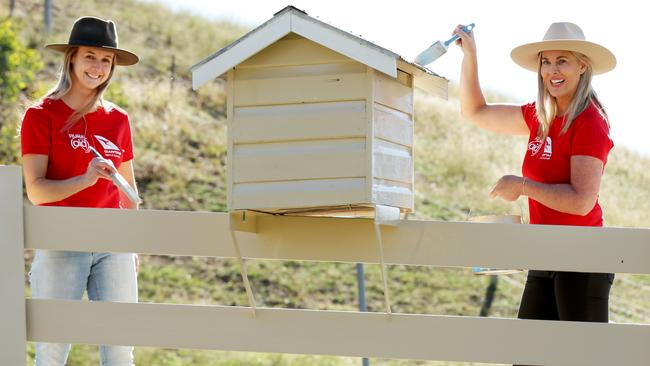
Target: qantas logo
110 149
535 146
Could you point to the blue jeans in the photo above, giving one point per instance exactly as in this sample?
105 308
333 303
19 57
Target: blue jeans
66 275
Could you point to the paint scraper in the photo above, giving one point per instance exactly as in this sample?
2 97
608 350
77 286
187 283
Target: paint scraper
439 48
120 182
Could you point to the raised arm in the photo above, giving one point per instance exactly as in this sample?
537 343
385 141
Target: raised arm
500 118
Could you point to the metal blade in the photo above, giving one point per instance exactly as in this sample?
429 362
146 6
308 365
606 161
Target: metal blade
431 54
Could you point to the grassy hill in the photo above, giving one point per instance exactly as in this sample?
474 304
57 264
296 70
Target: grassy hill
180 165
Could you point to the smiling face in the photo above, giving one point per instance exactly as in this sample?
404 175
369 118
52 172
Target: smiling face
560 72
91 67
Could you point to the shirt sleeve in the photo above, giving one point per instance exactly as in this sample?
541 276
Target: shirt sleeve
35 133
128 141
530 116
591 138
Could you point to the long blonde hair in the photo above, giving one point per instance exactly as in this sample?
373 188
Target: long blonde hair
546 105
64 85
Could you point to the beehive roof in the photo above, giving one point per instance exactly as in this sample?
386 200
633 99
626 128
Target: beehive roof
293 20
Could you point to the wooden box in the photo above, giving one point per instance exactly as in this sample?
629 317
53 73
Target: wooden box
311 129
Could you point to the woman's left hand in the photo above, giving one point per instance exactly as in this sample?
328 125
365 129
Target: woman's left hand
509 187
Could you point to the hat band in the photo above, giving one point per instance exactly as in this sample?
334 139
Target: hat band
79 42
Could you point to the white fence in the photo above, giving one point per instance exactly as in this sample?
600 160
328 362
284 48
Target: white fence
408 336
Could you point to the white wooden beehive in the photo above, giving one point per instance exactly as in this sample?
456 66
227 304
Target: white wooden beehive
318 119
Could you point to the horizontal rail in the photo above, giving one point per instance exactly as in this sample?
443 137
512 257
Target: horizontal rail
436 243
406 336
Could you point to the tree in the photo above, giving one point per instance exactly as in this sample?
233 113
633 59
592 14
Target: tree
18 64
18 68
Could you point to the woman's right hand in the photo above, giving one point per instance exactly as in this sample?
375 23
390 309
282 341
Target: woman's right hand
99 168
466 41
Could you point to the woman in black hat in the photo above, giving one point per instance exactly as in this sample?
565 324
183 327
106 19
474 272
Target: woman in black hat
58 136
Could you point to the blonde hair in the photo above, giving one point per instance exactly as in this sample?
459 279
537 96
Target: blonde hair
546 105
64 85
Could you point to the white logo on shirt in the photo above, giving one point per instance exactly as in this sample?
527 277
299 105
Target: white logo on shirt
535 145
548 149
110 149
78 140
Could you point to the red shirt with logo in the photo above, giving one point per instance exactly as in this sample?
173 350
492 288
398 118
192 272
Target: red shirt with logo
107 129
550 162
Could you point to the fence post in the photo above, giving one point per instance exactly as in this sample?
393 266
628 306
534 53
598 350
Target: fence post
48 16
13 337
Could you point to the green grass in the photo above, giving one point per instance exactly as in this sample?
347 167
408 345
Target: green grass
180 164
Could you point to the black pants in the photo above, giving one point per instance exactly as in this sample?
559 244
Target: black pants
566 296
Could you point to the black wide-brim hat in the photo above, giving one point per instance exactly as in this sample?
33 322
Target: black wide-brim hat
98 33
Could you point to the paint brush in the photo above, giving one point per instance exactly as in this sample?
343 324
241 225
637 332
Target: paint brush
439 48
120 182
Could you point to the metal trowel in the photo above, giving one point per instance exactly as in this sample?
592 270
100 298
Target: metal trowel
439 48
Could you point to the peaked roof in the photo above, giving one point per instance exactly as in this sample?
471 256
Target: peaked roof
293 20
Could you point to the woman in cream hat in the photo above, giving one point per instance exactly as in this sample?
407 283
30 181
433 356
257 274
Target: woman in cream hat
568 145
58 134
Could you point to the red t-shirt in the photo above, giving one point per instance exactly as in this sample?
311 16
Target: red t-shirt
551 162
107 129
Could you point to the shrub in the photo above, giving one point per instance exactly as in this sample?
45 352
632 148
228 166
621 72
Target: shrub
18 68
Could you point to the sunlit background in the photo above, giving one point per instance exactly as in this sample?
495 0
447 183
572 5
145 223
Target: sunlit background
407 27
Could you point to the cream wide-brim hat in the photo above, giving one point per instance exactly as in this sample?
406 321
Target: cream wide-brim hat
564 36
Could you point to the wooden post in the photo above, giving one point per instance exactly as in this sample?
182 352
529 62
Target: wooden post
48 16
361 282
489 296
172 75
13 338
172 67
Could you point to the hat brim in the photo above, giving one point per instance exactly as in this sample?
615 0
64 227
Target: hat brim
122 57
527 56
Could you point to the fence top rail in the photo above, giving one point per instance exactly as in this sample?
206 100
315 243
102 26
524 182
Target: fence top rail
435 243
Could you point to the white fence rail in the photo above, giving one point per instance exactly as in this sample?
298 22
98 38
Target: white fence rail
309 331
